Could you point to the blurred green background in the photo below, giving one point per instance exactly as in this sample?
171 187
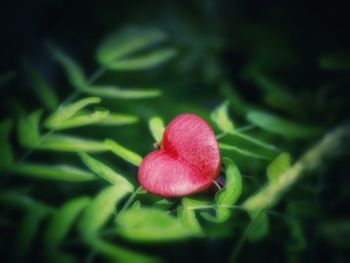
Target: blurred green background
288 58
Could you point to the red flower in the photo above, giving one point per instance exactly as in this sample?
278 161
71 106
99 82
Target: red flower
187 162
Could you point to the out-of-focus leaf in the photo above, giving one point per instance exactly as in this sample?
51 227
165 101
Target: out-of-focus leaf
6 153
259 227
221 118
28 129
335 61
163 204
278 166
26 233
43 91
101 208
188 218
120 254
67 143
150 224
75 74
238 105
156 125
114 92
58 119
298 240
6 77
116 119
337 233
54 172
242 152
278 125
145 61
124 153
104 171
21 201
63 220
122 45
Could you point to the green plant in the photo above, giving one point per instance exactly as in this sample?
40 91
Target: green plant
106 202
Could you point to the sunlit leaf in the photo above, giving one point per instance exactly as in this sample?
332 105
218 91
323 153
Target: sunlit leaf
116 119
118 253
67 143
104 171
123 152
241 138
6 152
156 125
43 91
150 224
75 74
28 129
59 118
114 92
121 45
278 125
63 220
101 208
278 167
145 61
260 226
221 118
335 61
53 172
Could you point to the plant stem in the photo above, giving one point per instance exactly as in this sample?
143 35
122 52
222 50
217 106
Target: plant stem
271 193
131 199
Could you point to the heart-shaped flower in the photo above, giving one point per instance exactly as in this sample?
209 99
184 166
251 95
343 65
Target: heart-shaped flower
187 162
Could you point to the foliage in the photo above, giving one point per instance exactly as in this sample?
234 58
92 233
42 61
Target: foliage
92 198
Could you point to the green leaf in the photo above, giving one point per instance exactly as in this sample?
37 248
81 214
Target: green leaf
119 254
117 119
156 125
150 224
278 166
259 227
27 230
63 220
298 240
221 118
28 129
7 157
75 74
124 153
188 218
278 125
66 143
60 118
114 92
150 60
163 204
101 208
335 61
53 172
122 44
242 152
104 171
43 91
233 187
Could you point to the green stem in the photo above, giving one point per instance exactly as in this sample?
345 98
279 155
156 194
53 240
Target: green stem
131 199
